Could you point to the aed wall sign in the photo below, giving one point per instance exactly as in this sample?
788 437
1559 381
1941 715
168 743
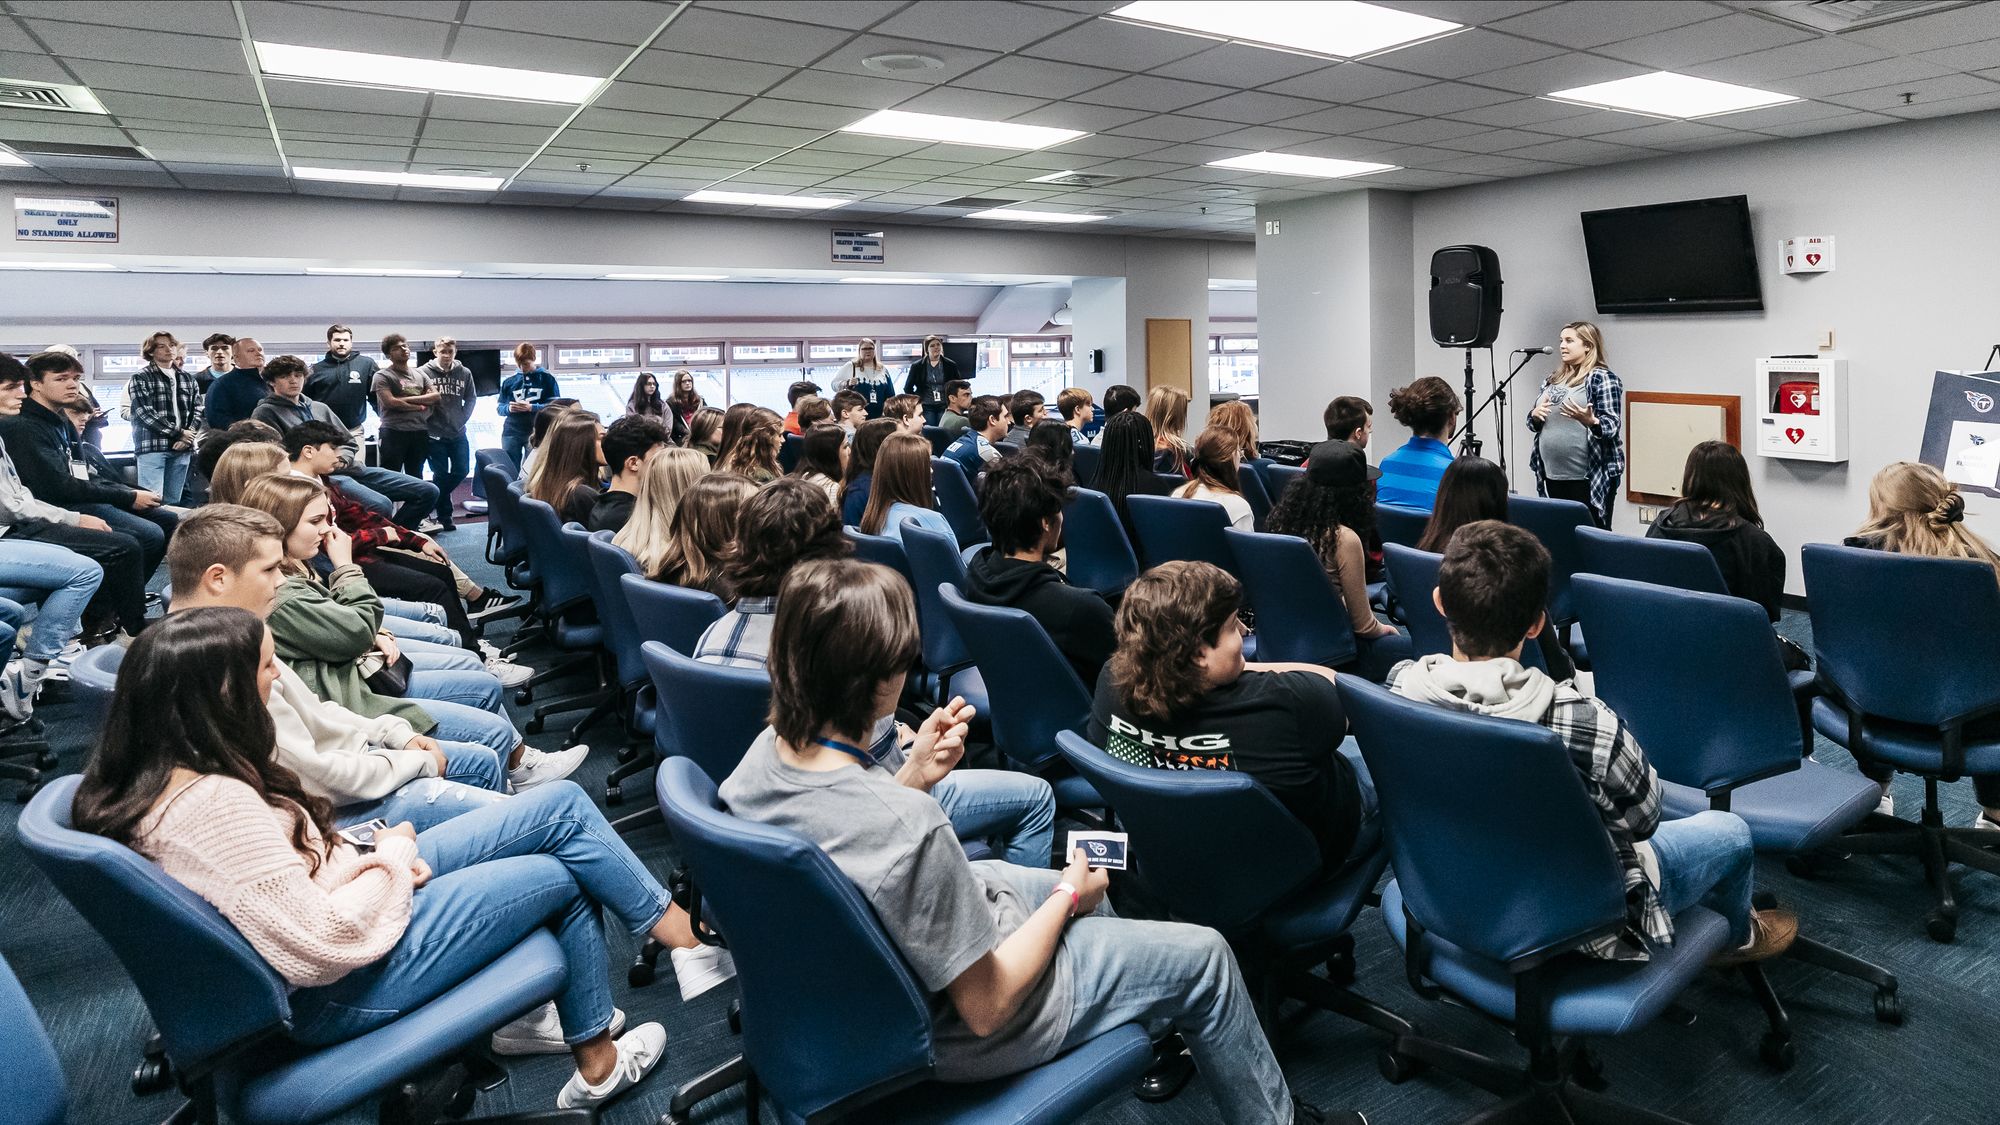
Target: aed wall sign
43 219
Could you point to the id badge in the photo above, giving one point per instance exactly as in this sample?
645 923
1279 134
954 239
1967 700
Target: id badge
79 470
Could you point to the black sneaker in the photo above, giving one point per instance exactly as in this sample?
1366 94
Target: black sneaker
1171 1069
1306 1113
489 603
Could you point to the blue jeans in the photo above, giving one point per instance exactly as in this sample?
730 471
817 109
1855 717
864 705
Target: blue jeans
545 858
435 656
165 474
457 722
1367 834
515 444
376 487
474 778
1707 858
57 577
412 629
13 616
451 463
415 611
1017 808
456 685
1164 975
149 529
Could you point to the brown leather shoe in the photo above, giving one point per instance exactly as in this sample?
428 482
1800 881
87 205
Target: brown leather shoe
1771 933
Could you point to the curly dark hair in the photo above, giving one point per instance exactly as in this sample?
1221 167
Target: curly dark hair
1055 444
1426 406
1166 616
787 522
1316 512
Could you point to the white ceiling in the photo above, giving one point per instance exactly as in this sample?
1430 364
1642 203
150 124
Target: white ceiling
749 94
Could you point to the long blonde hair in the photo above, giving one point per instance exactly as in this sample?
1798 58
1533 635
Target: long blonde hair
668 476
1236 419
240 464
703 529
1913 510
1166 409
1573 375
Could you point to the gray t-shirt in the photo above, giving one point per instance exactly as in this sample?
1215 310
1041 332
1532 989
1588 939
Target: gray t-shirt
1565 442
402 385
449 415
942 912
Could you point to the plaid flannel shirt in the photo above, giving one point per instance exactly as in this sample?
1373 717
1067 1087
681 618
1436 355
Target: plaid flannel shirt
740 638
369 529
162 403
1607 447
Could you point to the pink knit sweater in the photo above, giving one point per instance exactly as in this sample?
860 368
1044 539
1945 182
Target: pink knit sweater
218 838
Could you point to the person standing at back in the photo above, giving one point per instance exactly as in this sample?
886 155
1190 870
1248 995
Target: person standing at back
682 405
524 394
165 405
1428 408
404 397
929 377
865 376
447 448
1578 423
232 392
343 379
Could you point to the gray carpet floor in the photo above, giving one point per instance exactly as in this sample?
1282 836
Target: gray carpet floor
1937 1069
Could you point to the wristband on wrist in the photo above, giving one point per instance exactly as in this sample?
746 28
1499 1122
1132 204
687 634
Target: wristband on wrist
1070 890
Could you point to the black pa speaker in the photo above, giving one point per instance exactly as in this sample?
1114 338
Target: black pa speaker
1465 297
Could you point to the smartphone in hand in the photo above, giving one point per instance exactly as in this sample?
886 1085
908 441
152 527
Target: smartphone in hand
362 835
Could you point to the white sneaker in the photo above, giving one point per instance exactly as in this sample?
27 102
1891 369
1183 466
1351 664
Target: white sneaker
699 969
17 699
639 1050
507 672
59 667
476 506
539 767
1887 805
1985 823
429 524
540 1033
488 650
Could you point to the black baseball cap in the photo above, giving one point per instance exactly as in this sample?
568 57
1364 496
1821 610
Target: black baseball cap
1339 464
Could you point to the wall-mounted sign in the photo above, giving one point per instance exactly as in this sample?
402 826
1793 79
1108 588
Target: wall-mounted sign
852 246
49 219
1807 255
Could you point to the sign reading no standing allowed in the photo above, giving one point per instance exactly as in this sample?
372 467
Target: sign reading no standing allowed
49 219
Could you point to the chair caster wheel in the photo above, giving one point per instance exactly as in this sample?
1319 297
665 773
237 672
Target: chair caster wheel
1340 969
672 1118
640 975
524 696
1888 1009
461 1102
27 793
1397 1069
1801 867
532 726
48 760
151 1076
736 1019
1942 929
1777 1052
614 794
1588 1072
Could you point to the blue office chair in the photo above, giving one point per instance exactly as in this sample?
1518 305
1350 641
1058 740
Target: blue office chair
1921 705
1278 478
223 1012
676 616
498 551
1099 554
506 539
609 694
788 452
1284 914
1251 482
1398 524
1658 647
855 1043
1034 692
1300 616
709 713
564 612
1491 898
31 1084
882 550
1555 523
637 703
934 560
956 501
1414 574
1170 530
1085 463
940 439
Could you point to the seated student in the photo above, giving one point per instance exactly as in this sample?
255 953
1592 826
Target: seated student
229 555
58 466
630 444
120 602
1021 503
1126 466
1492 588
1025 409
793 394
1329 509
544 423
700 535
901 488
705 433
1213 476
62 582
1166 409
1914 510
1236 419
568 472
907 411
217 442
1022 963
811 411
973 449
1055 444
1718 509
957 404
754 453
1119 398
668 475
187 775
1475 489
855 485
1351 419
1077 410
1429 408
850 410
287 406
822 462
1178 694
330 633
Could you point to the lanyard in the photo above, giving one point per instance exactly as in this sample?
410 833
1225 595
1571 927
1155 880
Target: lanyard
848 748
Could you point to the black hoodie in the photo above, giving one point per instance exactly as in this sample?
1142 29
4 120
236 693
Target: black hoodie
1752 564
1076 619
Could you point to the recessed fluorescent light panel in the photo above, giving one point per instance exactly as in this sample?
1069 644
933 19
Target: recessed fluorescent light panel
1017 215
666 277
960 130
1341 28
57 265
361 68
756 199
399 179
893 281
1665 94
9 160
371 271
1286 164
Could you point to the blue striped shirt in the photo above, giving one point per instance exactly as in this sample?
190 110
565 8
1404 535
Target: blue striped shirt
1410 475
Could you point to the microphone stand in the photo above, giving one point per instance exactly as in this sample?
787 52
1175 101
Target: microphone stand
1990 355
1468 442
1499 396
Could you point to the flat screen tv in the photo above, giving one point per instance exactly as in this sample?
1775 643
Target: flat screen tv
485 365
1692 256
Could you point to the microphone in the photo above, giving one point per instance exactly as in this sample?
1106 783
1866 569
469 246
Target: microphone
1534 351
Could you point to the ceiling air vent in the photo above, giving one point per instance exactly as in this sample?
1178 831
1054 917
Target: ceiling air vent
47 95
1851 15
61 148
1077 179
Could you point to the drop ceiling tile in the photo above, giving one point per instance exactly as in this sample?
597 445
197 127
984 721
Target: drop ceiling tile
1252 108
223 179
164 81
729 35
1978 103
306 25
127 106
1491 140
858 90
801 115
192 19
1595 24
1264 138
1497 165
638 124
957 60
873 146
490 159
613 21
1969 24
1105 146
1676 133
122 44
25 67
1579 151
483 133
488 47
441 10
1829 124
1445 97
741 155
211 149
1418 156
808 158
604 170
1168 127
1592 123
1000 27
1348 82
1761 119
534 197
1526 112
1042 77
658 67
1967 56
1428 130
1031 164
667 99
1345 119
345 154
345 99
116 177
144 126
591 141
1134 167
1161 95
1346 148
1734 34
1565 72
1240 65
954 101
40 128
1468 52
1793 60
1867 76
1124 46
1891 99
450 107
852 14
1076 115
360 126
736 132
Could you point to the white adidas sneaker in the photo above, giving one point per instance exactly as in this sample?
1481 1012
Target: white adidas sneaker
540 1033
639 1051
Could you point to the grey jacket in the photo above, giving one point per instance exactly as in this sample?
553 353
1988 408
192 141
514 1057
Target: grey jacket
281 415
18 504
450 414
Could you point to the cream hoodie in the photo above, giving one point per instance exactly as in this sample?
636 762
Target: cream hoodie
342 756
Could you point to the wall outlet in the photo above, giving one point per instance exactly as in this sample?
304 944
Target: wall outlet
1646 514
1271 226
